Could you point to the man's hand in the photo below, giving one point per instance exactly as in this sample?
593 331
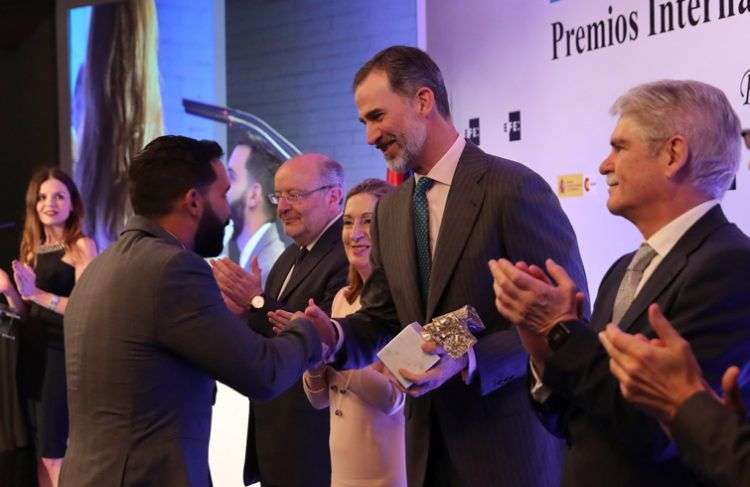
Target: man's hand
322 323
656 375
427 381
236 284
732 396
237 309
281 319
529 299
25 279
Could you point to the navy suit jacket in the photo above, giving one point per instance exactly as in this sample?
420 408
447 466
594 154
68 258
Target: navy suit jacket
701 286
495 208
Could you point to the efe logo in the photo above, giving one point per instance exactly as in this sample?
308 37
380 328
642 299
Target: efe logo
513 126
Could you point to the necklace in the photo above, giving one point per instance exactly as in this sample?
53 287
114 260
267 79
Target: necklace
49 247
340 398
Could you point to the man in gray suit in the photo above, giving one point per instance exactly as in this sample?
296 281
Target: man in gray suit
254 234
147 332
468 420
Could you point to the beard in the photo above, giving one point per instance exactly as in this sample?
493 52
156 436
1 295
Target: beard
209 239
411 145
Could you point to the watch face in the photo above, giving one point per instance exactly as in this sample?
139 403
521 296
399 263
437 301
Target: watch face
258 302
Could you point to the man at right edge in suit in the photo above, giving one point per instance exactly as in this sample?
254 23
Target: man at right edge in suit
468 421
675 151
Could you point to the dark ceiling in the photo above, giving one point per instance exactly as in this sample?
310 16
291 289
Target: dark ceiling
19 19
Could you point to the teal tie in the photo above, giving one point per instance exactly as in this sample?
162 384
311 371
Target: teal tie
422 234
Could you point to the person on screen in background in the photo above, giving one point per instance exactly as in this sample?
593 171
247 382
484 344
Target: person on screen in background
662 377
251 170
122 110
54 252
467 419
287 439
675 151
147 332
366 408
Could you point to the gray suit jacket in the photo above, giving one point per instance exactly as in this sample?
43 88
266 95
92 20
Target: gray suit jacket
146 334
713 441
495 208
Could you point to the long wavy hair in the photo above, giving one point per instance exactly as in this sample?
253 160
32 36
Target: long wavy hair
33 229
377 188
123 109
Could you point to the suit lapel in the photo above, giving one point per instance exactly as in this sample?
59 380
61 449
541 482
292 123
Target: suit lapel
461 209
400 235
672 264
331 237
279 271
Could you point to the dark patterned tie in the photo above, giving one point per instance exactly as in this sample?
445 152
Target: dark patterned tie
301 256
630 281
422 234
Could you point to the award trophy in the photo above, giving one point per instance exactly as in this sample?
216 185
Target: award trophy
454 331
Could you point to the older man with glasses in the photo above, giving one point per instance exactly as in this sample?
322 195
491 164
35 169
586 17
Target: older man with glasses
287 440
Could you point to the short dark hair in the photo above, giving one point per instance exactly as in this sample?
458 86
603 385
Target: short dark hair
261 166
167 168
408 69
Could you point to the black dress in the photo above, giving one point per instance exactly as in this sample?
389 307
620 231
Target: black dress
41 364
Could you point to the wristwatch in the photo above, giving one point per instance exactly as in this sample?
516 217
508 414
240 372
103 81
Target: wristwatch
559 333
258 303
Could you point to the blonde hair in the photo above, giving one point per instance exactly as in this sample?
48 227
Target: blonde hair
377 188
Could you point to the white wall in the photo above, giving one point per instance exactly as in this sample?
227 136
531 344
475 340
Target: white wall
497 57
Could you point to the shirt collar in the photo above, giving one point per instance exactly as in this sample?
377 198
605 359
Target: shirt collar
666 238
330 223
443 171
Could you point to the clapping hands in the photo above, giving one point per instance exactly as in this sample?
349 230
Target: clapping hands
25 278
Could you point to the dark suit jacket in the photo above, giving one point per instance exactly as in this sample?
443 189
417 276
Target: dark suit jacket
712 440
146 334
287 439
495 208
701 286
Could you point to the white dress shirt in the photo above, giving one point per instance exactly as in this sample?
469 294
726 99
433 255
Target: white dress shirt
309 247
442 173
662 242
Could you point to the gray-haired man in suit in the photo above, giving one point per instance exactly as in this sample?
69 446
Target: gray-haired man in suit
675 151
468 420
147 331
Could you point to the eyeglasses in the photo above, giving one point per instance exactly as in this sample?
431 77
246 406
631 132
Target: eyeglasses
294 196
746 136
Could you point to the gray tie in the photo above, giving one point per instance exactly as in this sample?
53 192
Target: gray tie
629 284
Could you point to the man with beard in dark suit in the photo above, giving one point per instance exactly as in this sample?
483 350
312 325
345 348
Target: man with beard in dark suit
468 421
147 332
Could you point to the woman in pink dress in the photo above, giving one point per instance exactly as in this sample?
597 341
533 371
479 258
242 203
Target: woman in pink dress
367 420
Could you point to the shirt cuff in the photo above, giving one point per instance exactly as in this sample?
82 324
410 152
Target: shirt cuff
539 392
330 355
468 373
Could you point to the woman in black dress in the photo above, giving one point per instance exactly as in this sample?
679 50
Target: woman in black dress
53 254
